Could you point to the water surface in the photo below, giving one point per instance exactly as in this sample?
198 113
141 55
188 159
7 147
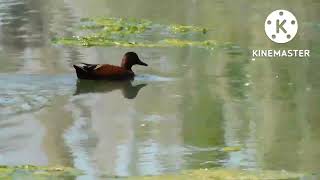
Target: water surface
180 112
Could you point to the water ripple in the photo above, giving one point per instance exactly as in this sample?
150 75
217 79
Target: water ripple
23 93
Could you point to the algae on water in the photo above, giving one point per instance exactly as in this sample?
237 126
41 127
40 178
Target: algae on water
182 29
129 32
60 172
37 172
100 41
225 174
231 148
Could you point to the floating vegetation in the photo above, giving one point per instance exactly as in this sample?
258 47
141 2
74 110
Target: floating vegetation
37 172
60 172
182 29
131 25
226 174
98 41
116 25
231 149
129 32
182 43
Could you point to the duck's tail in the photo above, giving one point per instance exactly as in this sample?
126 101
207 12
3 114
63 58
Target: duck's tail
80 70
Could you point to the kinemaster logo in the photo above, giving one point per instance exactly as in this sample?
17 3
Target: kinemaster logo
281 26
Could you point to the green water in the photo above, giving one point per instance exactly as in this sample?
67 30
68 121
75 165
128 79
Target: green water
184 111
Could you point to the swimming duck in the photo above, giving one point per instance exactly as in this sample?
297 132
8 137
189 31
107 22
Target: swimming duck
107 71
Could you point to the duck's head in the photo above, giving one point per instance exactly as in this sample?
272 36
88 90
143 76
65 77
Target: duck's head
130 59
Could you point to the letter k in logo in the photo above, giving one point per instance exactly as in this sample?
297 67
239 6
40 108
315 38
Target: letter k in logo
280 26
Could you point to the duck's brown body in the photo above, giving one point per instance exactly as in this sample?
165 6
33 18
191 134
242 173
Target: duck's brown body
107 71
102 71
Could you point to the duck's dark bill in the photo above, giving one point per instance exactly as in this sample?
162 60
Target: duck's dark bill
142 63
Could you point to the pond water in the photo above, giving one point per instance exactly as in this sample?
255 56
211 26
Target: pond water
191 108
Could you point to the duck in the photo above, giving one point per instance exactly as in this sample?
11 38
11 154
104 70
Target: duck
108 71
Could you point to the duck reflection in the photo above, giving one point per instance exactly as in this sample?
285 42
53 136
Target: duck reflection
129 90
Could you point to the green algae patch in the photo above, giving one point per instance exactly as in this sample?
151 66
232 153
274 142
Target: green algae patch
132 25
231 149
182 43
225 174
99 41
130 32
37 172
184 29
116 25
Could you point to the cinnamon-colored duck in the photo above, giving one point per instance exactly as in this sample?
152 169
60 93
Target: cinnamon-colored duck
107 71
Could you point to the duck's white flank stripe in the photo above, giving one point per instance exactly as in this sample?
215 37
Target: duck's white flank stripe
97 67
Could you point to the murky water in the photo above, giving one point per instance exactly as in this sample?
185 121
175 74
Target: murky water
180 112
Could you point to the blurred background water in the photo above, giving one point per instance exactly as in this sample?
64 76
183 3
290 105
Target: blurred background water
179 112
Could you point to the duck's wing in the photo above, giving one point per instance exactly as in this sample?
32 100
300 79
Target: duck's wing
107 70
86 67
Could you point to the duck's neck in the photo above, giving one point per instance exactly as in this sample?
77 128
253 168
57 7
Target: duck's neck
126 65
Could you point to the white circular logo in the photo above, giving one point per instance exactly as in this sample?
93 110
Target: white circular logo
281 26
